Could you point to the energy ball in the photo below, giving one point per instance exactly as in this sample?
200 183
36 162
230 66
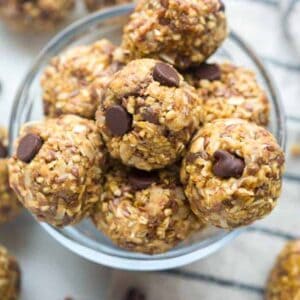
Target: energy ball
10 276
36 14
57 169
232 173
144 211
180 32
229 91
284 280
148 114
74 80
9 205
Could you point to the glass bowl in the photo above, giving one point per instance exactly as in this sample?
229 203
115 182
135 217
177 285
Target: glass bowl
83 238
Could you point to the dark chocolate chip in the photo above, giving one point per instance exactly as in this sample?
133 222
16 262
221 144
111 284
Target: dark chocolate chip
3 151
150 116
207 71
228 165
222 6
140 180
166 75
134 294
118 120
28 147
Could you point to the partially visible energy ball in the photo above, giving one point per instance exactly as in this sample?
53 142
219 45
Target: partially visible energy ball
180 32
232 173
74 80
148 114
57 169
145 211
9 205
229 91
36 14
284 279
10 276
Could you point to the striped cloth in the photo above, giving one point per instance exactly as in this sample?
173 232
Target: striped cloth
238 271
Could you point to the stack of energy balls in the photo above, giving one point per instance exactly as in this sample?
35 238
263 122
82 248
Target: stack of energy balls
148 139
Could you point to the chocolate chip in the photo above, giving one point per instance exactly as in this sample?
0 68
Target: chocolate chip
166 75
222 6
118 120
28 147
140 180
134 294
228 165
150 116
3 151
207 71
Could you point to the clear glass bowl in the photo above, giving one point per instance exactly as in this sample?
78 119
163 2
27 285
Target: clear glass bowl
83 238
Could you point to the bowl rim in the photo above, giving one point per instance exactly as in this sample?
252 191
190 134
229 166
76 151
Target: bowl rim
64 37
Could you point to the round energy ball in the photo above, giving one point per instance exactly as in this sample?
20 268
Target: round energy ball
284 279
10 276
232 173
9 205
74 80
36 14
144 211
229 91
57 169
148 114
180 32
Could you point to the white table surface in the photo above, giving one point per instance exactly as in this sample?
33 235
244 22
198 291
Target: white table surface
51 272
